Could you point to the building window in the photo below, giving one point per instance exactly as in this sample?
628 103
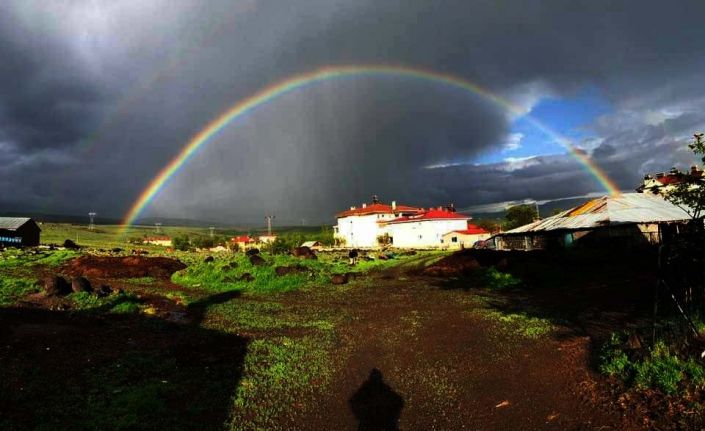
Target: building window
454 239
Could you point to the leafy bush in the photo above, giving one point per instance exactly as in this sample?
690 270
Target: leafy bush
495 279
181 242
613 361
661 369
12 288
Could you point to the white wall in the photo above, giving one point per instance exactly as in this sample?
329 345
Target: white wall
361 231
422 234
463 240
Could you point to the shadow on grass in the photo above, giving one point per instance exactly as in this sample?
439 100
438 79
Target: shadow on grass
582 292
375 405
85 370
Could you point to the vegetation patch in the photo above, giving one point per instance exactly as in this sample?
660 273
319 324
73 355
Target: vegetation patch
12 257
278 372
520 324
13 288
660 369
494 279
116 303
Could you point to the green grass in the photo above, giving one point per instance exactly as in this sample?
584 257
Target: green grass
219 276
660 369
13 288
518 324
494 279
115 303
12 258
277 372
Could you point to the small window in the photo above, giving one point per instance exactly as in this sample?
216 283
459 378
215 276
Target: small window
454 239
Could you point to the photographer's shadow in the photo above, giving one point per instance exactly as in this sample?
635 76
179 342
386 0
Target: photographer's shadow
375 404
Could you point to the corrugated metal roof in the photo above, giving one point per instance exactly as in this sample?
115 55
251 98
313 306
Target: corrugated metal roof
12 223
609 210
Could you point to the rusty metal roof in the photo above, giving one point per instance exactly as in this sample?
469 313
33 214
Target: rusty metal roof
608 211
12 223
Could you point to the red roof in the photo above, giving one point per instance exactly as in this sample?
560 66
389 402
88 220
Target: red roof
378 208
434 214
471 230
243 238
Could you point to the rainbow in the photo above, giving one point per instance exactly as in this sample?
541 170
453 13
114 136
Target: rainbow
297 82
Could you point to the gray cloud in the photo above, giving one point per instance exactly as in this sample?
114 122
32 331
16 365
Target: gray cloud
95 98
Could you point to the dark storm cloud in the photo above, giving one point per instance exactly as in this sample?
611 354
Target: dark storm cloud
133 81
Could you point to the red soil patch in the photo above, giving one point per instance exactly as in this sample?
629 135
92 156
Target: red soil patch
122 267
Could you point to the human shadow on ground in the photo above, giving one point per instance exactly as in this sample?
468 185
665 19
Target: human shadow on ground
72 370
375 404
197 310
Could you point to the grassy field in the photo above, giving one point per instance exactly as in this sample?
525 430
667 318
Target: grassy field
228 343
290 344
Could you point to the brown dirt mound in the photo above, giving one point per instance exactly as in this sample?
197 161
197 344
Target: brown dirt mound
457 264
122 267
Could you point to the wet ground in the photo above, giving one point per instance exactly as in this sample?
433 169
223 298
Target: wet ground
400 350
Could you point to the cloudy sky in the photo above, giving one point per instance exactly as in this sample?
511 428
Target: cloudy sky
97 96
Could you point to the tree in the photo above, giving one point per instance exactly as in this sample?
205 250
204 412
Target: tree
519 215
181 242
490 225
689 193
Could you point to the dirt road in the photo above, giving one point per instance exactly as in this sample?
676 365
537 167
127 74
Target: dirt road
435 359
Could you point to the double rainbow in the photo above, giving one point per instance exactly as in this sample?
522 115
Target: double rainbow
297 82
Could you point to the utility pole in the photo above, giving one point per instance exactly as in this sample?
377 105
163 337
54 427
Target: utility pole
269 224
538 215
91 216
159 227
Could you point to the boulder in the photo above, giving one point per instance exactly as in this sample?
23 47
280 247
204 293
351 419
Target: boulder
257 260
208 259
56 286
252 252
246 277
339 279
70 245
286 270
81 284
303 252
104 290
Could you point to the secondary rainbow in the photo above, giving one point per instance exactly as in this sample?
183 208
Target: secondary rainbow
296 82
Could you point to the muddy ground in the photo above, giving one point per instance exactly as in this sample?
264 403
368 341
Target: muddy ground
407 350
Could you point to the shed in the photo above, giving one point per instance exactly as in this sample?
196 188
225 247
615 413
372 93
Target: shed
627 218
19 232
313 245
464 238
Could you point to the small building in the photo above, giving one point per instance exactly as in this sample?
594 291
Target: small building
627 219
19 232
164 241
243 241
425 229
663 182
313 245
362 227
267 239
465 238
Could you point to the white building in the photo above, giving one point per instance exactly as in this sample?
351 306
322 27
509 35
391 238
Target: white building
465 238
425 229
361 227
